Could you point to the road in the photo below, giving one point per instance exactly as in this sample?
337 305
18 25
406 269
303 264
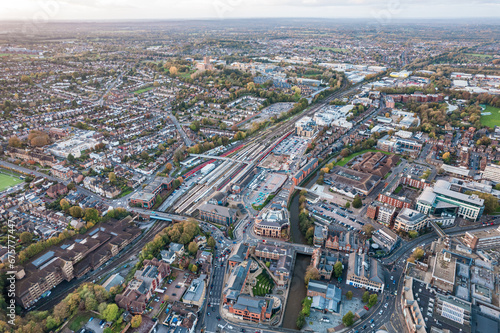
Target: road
183 134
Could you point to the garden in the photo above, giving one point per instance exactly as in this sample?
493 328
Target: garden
264 285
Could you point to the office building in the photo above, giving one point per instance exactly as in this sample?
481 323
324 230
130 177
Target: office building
410 220
440 199
482 239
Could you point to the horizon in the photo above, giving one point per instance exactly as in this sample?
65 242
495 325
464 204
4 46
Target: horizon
126 10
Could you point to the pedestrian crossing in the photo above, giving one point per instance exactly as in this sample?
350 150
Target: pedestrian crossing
214 301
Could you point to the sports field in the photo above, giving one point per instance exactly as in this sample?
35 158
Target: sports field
493 119
7 181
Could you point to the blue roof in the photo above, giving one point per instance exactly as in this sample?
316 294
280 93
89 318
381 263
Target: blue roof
38 262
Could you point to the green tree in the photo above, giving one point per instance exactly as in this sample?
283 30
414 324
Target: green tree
357 203
348 295
194 268
111 312
26 237
268 264
301 321
348 319
368 229
71 186
373 300
136 321
413 234
337 268
347 204
71 158
365 297
91 215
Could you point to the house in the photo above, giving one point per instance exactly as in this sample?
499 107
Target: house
325 296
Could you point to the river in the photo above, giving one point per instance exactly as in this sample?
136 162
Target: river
297 291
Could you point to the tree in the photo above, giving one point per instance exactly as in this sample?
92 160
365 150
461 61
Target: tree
337 268
250 86
373 300
268 264
413 234
194 268
26 237
64 204
301 321
168 167
76 211
144 155
107 330
348 319
193 248
71 158
446 157
348 295
173 71
357 203
347 205
490 202
497 187
71 186
91 215
211 242
111 312
136 321
365 297
102 307
368 229
112 177
345 152
14 142
312 273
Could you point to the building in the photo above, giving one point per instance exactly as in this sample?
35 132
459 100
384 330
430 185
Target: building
195 294
272 221
341 178
386 239
440 199
372 211
492 172
320 235
217 214
482 239
239 254
147 197
140 289
280 259
386 214
394 200
72 258
365 272
61 172
444 267
324 262
454 311
305 171
376 163
410 220
57 190
325 296
306 127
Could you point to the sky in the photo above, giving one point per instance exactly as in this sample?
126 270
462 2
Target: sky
43 10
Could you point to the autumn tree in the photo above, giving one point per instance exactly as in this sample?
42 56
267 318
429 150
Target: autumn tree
112 177
446 157
26 237
312 273
193 248
348 295
345 152
76 211
168 167
136 321
211 242
368 229
14 142
173 71
64 204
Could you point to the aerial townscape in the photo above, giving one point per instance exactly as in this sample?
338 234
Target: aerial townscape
249 174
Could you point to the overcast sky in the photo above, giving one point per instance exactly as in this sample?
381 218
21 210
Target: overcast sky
221 9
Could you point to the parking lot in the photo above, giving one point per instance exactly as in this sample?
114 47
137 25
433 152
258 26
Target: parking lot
333 214
96 325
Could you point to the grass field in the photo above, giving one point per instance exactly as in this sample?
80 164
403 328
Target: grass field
493 119
479 55
346 159
78 321
140 91
7 181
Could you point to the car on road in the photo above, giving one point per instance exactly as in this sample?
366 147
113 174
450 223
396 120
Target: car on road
372 320
386 305
380 312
